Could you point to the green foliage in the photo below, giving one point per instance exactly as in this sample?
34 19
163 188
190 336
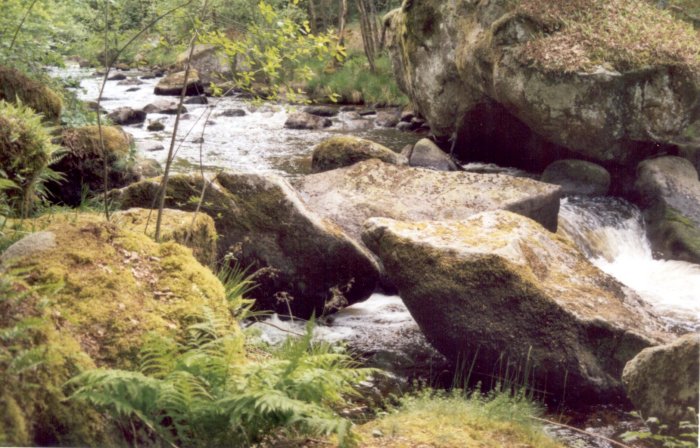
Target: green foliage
658 434
45 36
274 50
199 393
26 152
354 83
16 86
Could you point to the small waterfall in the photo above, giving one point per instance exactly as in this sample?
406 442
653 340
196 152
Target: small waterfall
610 231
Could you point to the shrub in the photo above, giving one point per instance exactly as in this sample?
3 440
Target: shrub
15 87
26 152
354 83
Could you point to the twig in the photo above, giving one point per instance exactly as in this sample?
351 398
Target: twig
21 24
108 66
282 329
581 431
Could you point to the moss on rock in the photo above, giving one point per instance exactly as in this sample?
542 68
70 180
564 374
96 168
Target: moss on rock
82 165
25 153
340 151
16 86
113 288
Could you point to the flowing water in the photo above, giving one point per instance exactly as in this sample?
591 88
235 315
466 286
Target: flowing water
256 142
610 231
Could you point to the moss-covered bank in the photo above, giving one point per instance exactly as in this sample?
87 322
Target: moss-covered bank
110 287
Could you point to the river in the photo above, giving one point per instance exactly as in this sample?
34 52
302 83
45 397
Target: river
608 230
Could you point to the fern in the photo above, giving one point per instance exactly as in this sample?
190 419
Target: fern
201 393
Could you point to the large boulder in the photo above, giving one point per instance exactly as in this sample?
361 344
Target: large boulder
662 381
340 151
348 196
209 61
528 82
262 223
94 293
173 83
82 164
578 177
16 86
498 290
668 191
164 107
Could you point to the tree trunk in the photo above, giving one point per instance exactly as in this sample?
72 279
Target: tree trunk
313 19
368 41
341 21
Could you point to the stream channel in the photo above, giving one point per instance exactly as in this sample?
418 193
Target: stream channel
609 230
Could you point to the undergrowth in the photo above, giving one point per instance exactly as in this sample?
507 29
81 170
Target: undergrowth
354 83
198 393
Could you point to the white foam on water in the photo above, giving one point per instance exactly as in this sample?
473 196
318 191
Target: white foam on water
611 233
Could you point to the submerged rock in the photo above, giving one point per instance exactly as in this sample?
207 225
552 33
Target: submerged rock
662 381
668 191
92 298
164 107
337 152
321 111
498 290
578 177
304 120
299 258
82 163
523 83
348 196
172 84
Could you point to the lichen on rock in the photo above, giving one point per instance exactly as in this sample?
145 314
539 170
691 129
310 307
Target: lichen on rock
15 85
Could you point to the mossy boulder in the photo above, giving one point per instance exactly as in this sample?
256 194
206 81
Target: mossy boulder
16 86
662 381
263 224
527 82
668 191
340 151
350 195
94 291
501 291
173 83
578 177
82 163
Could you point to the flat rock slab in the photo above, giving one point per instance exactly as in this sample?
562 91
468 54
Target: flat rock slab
349 196
497 288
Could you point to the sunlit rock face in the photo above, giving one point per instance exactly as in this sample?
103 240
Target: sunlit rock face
499 291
